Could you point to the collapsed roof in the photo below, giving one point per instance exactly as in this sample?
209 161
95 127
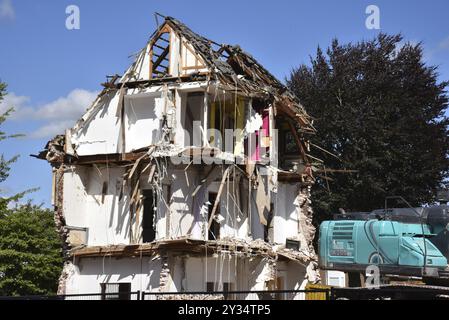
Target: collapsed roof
226 66
232 66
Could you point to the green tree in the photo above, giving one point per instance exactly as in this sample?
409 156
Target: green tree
30 249
30 252
381 110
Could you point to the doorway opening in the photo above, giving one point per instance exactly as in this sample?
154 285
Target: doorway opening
214 231
148 231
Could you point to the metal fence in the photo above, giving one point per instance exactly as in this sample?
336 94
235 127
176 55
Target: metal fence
86 296
312 294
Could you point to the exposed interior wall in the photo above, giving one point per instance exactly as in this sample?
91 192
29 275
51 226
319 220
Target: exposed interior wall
104 215
143 120
257 228
93 202
188 273
88 273
100 133
185 273
181 203
234 223
192 113
285 220
191 61
74 201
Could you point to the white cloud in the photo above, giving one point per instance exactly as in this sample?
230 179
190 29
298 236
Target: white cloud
52 129
7 10
13 101
71 107
57 115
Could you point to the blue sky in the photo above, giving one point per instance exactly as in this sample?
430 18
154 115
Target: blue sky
53 73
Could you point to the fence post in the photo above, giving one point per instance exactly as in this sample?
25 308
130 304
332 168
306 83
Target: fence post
332 294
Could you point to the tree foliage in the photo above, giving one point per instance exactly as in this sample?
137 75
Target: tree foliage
381 110
30 252
30 249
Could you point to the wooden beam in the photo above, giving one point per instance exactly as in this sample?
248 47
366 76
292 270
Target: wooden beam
298 142
161 58
158 46
217 200
194 67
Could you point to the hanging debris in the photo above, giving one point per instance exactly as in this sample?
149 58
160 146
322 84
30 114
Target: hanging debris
197 155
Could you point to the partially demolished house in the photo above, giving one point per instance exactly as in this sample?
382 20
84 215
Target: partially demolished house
188 173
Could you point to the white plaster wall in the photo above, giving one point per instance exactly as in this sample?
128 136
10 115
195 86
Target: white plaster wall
193 273
175 54
285 221
143 115
142 68
181 217
235 224
187 273
108 222
100 133
143 274
188 59
179 132
199 271
74 198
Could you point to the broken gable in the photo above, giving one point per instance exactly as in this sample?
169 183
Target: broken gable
168 54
